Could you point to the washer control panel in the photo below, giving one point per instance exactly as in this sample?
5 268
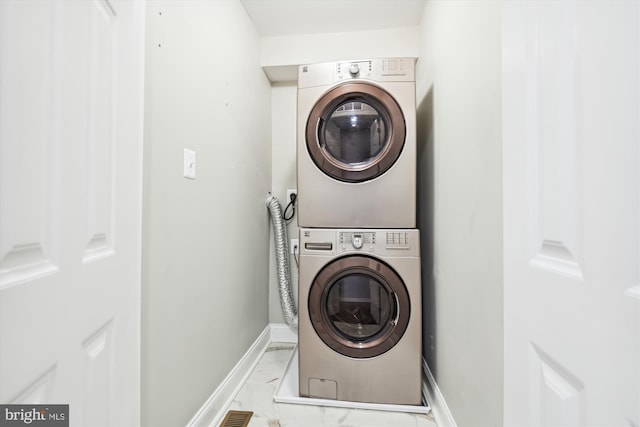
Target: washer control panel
356 240
397 240
388 242
366 240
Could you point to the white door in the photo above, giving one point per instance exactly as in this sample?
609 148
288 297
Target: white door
571 216
71 91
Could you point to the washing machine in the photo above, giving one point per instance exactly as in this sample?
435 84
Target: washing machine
356 144
359 316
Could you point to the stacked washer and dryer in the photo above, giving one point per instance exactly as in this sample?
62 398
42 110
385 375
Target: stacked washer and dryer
360 314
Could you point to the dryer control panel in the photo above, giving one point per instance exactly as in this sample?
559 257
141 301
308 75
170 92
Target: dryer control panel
380 70
353 70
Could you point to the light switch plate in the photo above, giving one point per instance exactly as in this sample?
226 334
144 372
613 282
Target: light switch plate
189 164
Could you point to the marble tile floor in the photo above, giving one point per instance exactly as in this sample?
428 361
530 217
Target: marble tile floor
257 395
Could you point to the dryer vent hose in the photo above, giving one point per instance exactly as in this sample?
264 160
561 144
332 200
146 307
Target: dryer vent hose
289 311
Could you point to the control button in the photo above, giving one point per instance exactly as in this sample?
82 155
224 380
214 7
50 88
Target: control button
354 69
357 241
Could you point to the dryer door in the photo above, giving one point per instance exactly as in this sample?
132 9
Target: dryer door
359 306
355 132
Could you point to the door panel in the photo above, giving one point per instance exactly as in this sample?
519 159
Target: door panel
556 393
571 209
71 86
100 144
98 369
556 155
26 246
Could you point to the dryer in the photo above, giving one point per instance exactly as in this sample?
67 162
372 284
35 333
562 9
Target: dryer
360 320
356 144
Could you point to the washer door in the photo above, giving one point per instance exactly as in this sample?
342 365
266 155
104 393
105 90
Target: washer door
355 132
359 306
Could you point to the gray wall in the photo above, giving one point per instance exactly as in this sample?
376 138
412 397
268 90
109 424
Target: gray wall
205 242
205 257
460 204
283 177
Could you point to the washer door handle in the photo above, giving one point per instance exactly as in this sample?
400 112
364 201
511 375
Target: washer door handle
395 298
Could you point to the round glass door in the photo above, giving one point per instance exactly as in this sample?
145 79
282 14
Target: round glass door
355 132
359 306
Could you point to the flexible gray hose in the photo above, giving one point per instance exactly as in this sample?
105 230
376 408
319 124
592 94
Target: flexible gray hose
289 311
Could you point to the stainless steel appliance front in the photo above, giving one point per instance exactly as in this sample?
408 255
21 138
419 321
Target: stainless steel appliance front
356 144
360 315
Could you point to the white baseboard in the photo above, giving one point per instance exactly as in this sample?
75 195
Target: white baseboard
210 414
439 407
282 333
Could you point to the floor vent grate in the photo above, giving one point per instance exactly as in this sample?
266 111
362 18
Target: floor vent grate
236 419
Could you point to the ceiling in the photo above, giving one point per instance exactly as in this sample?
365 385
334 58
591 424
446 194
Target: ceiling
287 17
